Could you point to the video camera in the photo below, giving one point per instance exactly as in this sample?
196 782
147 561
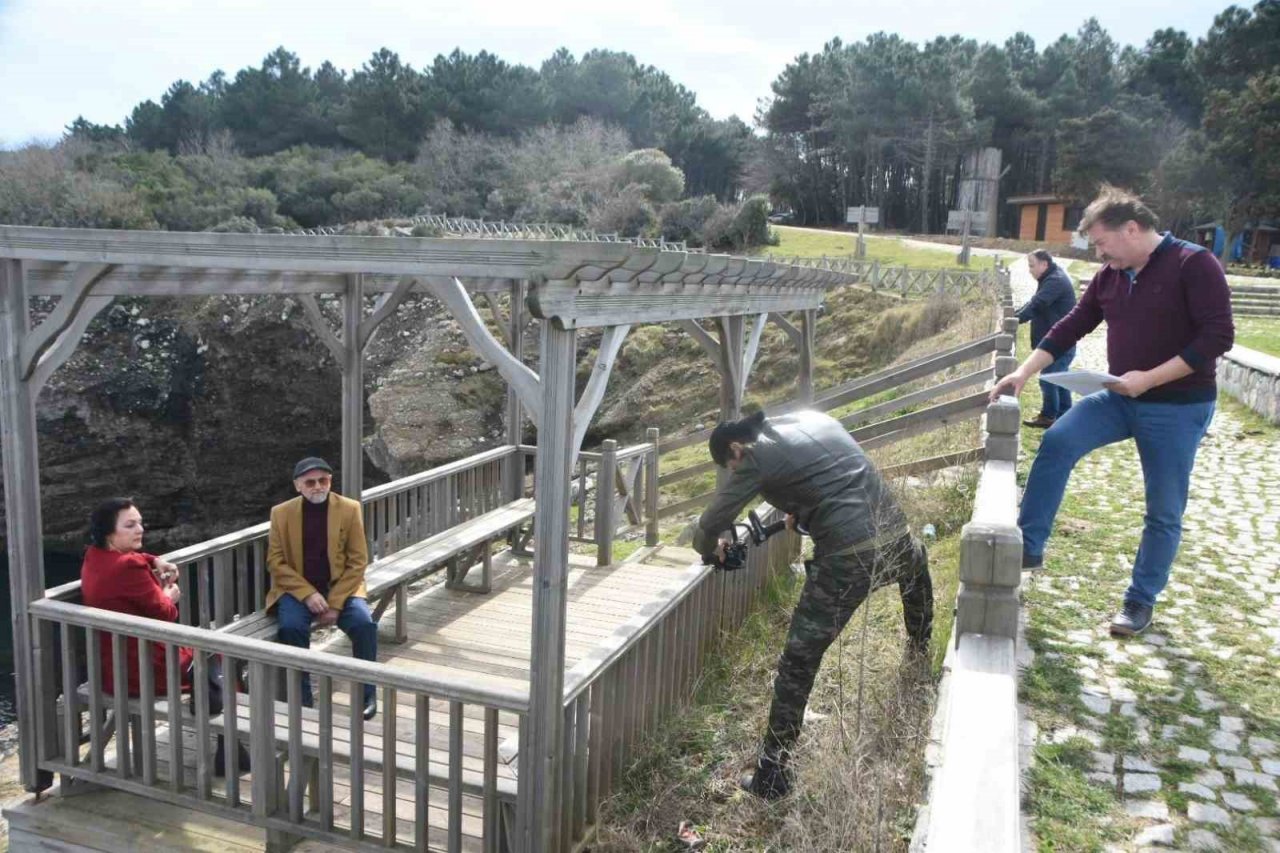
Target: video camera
754 531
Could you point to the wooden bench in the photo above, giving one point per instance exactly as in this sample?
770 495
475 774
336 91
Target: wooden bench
457 550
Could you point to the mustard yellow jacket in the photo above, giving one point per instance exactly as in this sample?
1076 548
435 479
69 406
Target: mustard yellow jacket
348 552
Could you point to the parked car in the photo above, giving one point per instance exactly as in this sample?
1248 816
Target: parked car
782 217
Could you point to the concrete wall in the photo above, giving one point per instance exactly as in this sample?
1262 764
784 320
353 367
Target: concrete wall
1253 378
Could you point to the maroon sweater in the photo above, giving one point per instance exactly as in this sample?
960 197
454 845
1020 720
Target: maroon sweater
1179 304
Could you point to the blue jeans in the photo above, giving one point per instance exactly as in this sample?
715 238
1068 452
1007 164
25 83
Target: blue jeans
1056 400
1167 435
293 625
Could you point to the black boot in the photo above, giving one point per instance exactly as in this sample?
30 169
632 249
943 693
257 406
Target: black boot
220 758
769 780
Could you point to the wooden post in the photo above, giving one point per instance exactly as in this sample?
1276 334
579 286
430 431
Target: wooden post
966 218
558 357
651 488
731 345
352 389
515 415
605 474
22 508
808 327
861 251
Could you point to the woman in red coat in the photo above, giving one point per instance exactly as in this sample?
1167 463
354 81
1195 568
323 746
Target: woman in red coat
117 575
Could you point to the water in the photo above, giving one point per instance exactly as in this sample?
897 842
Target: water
59 567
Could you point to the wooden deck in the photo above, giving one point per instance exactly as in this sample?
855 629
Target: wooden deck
484 637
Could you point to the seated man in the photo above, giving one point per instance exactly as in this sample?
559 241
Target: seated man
317 554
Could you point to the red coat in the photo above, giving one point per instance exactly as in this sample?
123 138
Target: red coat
112 580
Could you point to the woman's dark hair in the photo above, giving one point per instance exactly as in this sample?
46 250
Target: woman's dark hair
743 431
102 521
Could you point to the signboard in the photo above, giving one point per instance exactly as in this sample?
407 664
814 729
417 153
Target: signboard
863 216
977 220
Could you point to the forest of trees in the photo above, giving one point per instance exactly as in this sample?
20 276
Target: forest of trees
603 141
1193 123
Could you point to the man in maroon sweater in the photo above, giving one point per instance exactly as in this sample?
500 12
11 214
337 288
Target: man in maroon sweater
1168 314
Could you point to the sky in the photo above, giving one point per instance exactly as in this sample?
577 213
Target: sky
62 59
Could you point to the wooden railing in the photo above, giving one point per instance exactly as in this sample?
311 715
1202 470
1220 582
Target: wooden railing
873 426
906 282
620 695
320 774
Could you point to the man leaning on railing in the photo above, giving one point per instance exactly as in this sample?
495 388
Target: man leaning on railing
1168 313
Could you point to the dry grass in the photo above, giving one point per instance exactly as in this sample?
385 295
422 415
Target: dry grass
860 761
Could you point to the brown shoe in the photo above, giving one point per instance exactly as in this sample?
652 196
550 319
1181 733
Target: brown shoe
1040 422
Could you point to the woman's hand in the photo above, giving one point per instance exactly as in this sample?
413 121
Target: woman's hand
173 591
165 572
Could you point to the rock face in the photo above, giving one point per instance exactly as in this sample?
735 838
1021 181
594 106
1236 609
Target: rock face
197 408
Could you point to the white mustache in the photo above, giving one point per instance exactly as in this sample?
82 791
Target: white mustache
316 497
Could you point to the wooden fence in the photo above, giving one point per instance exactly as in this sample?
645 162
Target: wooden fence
878 425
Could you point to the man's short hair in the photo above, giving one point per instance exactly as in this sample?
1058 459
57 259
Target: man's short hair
1114 207
1042 255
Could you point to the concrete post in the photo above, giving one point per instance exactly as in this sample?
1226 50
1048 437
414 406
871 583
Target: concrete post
991 543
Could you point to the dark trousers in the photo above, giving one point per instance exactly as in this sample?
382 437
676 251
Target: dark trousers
293 625
834 588
1055 401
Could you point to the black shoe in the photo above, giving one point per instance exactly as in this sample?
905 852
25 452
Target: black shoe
1032 561
1133 618
220 758
371 708
768 781
1040 422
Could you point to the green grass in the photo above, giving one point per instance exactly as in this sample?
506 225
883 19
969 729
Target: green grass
813 243
1260 333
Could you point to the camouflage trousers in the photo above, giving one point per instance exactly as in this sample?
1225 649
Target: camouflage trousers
834 587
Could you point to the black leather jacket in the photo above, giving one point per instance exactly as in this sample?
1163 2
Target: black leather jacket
806 464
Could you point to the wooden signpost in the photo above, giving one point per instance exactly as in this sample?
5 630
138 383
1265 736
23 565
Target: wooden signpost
965 221
862 216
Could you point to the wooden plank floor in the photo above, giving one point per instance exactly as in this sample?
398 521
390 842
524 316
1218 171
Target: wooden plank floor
482 637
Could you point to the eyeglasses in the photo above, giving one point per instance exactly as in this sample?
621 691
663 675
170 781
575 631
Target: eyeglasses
312 482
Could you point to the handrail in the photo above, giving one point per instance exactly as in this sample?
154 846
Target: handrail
633 631
277 654
441 472
628 634
208 547
865 386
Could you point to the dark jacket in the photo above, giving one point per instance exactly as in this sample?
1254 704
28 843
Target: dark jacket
1054 298
806 464
1178 305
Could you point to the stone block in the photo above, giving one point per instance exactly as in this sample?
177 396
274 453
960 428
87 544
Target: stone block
1206 813
991 554
1004 416
1001 447
1004 365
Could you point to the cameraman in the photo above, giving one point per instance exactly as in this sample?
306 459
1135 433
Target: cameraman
807 465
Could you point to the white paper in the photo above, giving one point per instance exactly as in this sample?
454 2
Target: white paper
1080 381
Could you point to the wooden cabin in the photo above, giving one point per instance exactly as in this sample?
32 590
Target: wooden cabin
1048 219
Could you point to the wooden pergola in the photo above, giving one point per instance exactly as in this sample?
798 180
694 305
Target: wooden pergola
566 285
